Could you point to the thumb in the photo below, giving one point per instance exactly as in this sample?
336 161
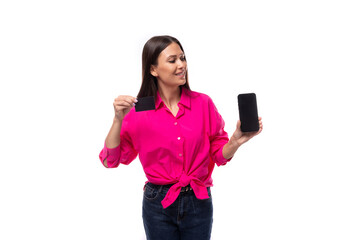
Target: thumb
238 124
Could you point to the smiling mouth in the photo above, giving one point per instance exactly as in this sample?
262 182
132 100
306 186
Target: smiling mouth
180 74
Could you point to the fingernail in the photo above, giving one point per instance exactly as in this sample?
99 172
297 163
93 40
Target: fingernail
136 100
133 104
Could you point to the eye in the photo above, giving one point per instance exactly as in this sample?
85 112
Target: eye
182 58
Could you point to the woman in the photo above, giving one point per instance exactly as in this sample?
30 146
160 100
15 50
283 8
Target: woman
178 144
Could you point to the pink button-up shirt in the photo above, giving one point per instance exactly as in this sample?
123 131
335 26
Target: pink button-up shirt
177 150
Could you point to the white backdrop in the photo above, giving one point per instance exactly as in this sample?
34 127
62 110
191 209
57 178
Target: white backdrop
63 62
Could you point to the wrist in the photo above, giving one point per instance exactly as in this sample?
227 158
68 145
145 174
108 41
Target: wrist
234 143
117 120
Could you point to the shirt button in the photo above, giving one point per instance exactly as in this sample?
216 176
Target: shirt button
180 154
179 138
175 123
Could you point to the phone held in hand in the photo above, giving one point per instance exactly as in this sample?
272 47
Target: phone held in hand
248 112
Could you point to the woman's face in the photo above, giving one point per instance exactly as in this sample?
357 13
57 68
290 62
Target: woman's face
171 67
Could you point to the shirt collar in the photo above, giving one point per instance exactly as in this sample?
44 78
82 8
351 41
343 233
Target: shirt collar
185 99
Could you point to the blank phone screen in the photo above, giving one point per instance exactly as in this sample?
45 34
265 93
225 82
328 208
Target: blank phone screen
248 112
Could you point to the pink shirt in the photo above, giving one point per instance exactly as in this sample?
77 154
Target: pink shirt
177 150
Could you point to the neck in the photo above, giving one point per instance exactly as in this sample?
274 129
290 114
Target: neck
170 96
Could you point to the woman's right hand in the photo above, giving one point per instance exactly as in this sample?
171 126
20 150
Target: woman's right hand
122 105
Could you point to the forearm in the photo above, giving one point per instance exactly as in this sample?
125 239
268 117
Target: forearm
230 148
113 137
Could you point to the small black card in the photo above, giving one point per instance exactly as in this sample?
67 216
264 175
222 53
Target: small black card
145 104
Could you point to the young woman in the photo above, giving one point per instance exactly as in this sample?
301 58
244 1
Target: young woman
178 144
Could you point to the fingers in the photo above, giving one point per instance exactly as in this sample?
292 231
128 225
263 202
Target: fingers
260 126
124 101
124 98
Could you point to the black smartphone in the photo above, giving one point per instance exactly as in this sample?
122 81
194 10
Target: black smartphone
248 112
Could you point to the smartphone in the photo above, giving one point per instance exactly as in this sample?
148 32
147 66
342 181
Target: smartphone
248 112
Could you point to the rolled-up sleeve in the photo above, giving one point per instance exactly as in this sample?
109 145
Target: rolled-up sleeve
124 153
218 136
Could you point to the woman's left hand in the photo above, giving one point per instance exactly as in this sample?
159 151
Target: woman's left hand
240 137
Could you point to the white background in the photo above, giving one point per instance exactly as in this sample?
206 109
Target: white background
63 62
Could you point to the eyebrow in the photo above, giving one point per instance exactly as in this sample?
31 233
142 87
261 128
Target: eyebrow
175 56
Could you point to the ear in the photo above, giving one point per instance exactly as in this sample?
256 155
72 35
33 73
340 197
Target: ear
153 71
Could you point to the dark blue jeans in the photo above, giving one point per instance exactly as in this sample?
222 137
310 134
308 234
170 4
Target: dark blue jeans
188 218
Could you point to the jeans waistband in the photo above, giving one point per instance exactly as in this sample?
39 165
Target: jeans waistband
168 186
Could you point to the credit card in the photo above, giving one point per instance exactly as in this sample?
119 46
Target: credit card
145 104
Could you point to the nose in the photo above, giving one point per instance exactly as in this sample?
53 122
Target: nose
181 64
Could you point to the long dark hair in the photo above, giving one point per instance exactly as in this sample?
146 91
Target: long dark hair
151 51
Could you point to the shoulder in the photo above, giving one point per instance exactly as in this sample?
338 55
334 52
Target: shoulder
203 101
199 96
